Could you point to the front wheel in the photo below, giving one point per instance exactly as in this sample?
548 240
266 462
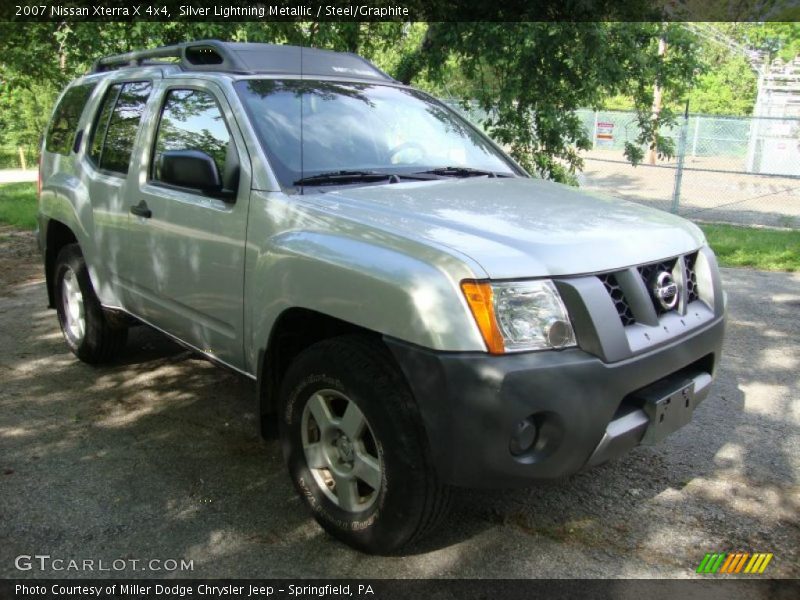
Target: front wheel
356 448
88 333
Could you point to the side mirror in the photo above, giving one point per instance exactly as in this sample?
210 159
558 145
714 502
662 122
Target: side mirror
190 168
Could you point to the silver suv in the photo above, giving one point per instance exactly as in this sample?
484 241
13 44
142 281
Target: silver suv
418 313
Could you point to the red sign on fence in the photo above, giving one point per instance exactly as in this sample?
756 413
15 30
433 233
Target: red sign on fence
604 134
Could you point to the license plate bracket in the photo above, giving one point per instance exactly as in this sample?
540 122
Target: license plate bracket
669 406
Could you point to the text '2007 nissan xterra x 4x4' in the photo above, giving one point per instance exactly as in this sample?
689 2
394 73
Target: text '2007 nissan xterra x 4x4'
416 310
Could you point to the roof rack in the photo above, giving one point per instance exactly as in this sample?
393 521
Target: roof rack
249 59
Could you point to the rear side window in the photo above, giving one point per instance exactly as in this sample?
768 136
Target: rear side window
61 134
117 124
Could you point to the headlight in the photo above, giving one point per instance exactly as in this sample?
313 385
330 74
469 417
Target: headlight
519 315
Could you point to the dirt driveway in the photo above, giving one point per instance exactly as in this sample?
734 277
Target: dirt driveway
158 458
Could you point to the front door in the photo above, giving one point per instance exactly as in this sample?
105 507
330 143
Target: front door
186 246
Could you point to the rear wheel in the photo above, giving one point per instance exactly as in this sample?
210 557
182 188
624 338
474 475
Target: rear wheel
356 448
87 331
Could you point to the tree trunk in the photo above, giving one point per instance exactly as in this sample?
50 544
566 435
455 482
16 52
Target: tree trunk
653 152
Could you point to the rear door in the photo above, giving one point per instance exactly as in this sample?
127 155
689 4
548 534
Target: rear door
186 247
107 158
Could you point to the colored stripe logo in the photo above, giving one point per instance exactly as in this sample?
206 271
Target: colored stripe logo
735 562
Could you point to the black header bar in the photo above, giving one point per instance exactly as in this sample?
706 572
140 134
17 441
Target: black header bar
400 10
708 588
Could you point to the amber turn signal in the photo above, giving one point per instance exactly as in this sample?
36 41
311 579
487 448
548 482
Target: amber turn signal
479 299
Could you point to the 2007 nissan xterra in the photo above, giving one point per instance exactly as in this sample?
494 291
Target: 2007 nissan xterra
417 311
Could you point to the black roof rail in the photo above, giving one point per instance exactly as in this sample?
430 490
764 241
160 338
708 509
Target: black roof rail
249 59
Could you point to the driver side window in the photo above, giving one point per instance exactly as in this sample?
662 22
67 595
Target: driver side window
191 120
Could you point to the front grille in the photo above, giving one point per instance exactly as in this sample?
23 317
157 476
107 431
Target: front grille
691 278
618 296
648 273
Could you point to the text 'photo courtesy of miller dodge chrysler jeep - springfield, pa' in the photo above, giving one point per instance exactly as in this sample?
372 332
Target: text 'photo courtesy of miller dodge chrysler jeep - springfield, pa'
418 313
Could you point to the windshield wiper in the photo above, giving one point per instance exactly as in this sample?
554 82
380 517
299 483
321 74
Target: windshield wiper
342 177
464 172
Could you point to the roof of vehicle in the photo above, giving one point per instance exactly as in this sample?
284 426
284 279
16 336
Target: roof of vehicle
249 59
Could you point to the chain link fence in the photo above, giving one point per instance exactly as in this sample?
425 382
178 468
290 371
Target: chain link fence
740 170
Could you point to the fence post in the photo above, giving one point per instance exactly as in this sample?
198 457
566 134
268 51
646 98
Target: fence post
594 131
22 158
676 191
694 140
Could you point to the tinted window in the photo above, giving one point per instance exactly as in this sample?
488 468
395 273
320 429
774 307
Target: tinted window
61 134
314 127
192 120
116 128
101 124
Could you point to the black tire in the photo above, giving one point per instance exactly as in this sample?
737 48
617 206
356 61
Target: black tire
410 501
99 341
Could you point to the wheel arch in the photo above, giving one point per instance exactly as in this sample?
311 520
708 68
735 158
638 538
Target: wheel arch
57 235
294 330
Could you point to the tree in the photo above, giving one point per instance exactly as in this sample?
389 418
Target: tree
728 84
779 40
39 59
726 88
531 78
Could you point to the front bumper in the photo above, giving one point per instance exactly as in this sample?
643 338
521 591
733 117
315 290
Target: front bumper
586 410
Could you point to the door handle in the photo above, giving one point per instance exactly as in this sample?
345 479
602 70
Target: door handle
141 210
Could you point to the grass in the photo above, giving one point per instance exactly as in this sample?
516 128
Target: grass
759 248
766 249
18 205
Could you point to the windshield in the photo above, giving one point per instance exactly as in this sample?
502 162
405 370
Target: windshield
354 127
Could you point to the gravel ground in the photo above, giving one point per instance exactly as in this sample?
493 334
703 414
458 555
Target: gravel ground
158 457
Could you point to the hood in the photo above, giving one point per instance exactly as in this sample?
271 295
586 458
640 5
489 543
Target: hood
519 227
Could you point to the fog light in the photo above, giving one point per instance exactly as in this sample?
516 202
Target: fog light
523 438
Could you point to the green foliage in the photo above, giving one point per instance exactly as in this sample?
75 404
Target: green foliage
768 249
9 157
531 77
40 58
727 83
18 205
618 102
780 40
727 89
